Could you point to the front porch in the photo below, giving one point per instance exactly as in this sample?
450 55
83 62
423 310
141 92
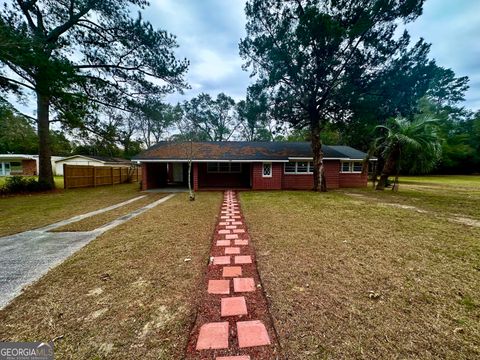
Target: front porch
204 175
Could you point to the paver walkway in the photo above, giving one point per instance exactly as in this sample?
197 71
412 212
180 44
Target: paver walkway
26 256
233 321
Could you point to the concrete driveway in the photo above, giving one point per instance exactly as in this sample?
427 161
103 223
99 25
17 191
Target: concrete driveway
27 256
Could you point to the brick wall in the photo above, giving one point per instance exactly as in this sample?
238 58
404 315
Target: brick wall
29 167
267 183
353 180
305 182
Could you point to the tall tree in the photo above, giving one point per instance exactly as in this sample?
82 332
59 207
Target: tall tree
414 142
315 55
77 56
205 118
254 116
156 119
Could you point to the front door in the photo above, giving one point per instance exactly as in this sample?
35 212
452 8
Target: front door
177 172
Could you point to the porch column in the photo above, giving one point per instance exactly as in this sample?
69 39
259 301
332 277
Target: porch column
195 176
144 177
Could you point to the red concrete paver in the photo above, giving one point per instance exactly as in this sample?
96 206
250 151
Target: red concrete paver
232 271
238 231
213 336
231 236
242 259
223 243
234 306
240 242
243 285
221 260
220 287
224 231
252 333
232 250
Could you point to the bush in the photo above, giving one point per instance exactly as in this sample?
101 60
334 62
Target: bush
21 184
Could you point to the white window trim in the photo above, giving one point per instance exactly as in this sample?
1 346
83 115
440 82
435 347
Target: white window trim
350 167
263 170
308 172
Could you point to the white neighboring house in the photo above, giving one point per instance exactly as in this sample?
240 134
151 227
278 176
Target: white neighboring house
21 164
90 161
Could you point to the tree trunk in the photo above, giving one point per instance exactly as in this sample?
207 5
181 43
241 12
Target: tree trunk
45 174
388 169
319 182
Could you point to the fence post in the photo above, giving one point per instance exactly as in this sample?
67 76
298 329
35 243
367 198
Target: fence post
65 177
111 174
94 176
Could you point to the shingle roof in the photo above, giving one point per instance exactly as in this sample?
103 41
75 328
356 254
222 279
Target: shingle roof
242 150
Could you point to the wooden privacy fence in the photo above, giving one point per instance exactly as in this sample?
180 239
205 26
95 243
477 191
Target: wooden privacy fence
77 176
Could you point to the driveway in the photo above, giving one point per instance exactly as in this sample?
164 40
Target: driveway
27 256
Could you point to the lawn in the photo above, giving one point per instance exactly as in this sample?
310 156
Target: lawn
128 294
24 212
348 277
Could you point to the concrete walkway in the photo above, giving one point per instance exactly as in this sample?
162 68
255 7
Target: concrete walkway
27 256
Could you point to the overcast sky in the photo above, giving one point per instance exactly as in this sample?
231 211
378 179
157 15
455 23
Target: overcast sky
208 33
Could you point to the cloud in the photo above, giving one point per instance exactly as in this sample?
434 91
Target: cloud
452 27
208 33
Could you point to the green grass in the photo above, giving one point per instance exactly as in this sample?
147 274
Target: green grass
23 212
351 278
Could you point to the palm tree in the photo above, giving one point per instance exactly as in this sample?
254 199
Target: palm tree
404 143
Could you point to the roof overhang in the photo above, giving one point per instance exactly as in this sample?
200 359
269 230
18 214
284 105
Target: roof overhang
205 161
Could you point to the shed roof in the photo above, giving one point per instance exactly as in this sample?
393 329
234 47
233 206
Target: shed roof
242 151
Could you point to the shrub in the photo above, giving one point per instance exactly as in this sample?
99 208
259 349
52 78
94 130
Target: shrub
21 184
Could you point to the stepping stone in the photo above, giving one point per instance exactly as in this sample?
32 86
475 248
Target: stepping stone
224 223
231 236
240 242
232 250
238 231
221 260
224 231
237 217
223 243
239 357
234 306
224 217
252 333
243 285
221 287
232 271
245 259
231 227
213 336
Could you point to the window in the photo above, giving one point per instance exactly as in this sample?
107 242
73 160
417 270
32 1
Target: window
352 166
298 167
345 166
357 166
267 170
290 168
224 168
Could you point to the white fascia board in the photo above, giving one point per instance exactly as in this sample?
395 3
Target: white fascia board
207 161
326 158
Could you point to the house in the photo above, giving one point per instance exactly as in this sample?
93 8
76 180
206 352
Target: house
23 165
18 164
248 165
90 160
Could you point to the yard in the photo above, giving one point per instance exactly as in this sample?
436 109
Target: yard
129 293
360 274
352 273
25 212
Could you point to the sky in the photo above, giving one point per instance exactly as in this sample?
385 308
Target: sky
208 32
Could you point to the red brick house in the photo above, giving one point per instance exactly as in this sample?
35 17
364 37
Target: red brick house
248 165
